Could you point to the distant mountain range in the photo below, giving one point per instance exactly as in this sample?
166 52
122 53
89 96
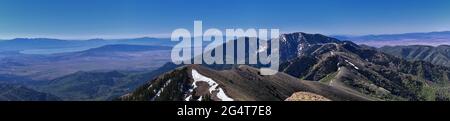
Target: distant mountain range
105 58
426 38
51 46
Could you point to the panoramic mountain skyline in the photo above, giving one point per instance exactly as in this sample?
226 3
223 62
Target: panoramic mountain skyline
224 59
328 68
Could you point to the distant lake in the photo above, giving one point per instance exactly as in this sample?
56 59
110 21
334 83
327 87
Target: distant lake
56 50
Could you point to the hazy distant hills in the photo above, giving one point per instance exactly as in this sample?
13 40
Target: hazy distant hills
15 92
105 58
126 48
426 38
51 46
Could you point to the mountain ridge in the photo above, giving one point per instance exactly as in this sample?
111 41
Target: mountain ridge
438 55
234 83
344 65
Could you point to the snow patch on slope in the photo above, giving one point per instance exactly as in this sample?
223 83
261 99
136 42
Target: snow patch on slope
352 64
188 98
161 90
213 85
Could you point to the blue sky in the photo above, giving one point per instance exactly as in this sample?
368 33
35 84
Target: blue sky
158 18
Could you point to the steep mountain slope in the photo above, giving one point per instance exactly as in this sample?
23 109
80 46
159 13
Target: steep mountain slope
439 55
290 46
14 92
293 45
195 83
348 66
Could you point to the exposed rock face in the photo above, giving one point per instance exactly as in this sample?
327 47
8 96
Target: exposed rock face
306 96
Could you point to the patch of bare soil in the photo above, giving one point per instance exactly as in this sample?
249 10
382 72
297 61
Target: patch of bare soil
306 96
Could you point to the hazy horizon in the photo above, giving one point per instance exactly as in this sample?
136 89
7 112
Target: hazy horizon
168 36
87 19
